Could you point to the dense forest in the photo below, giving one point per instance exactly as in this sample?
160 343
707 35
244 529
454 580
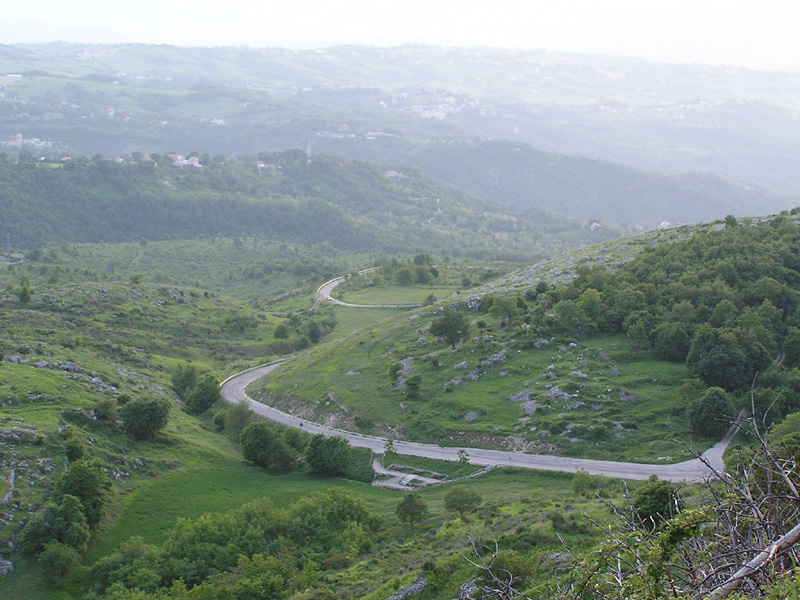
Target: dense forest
353 206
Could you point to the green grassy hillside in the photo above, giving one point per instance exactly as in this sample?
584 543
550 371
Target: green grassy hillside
579 356
72 348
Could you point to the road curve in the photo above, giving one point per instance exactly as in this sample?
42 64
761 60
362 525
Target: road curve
690 471
324 293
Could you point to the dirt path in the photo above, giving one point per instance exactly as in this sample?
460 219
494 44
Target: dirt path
233 390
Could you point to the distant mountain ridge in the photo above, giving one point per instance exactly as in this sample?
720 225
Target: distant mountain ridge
410 104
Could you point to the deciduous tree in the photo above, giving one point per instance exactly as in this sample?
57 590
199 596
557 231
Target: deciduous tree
143 418
412 508
327 456
462 500
263 445
88 482
452 325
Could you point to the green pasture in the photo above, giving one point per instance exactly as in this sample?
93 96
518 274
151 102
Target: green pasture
394 294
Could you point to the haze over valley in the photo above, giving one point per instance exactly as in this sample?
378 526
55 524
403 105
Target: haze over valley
374 312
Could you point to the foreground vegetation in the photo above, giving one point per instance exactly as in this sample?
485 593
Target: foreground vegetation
195 508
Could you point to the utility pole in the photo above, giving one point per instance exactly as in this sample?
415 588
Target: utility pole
8 243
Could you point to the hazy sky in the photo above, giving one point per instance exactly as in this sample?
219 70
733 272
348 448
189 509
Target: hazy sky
751 33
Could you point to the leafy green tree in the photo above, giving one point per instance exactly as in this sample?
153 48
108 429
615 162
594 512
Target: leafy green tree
504 307
716 358
452 325
238 416
203 395
74 449
136 565
264 446
725 312
281 332
423 275
143 418
731 222
405 276
656 501
314 332
24 295
412 508
711 415
184 379
637 336
591 303
462 500
791 347
327 456
57 560
671 341
64 523
570 319
87 481
261 577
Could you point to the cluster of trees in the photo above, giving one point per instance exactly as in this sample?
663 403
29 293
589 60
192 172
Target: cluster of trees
198 392
420 270
59 531
723 302
255 552
282 450
308 331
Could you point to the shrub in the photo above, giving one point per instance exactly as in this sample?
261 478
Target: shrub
327 456
656 501
710 416
88 482
462 500
142 418
203 395
264 446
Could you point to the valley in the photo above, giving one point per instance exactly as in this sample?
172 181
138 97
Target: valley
355 323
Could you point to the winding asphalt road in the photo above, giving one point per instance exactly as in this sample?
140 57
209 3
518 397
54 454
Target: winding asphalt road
324 295
691 471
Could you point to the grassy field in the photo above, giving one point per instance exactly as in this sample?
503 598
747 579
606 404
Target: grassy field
394 294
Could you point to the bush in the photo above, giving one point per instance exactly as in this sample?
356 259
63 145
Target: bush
74 448
656 501
64 523
203 395
462 500
264 446
142 418
57 560
88 482
106 409
412 508
236 417
671 342
711 415
327 456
